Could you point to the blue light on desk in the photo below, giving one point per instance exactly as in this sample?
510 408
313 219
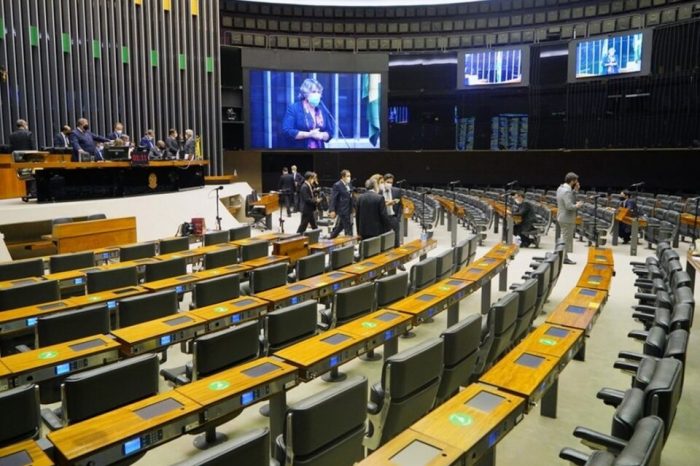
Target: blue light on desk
334 361
31 322
335 286
372 274
247 398
78 281
389 334
111 305
431 311
235 318
294 300
493 438
131 446
180 289
63 369
165 340
105 255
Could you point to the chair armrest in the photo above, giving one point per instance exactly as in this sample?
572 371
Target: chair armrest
574 456
376 399
645 309
51 419
631 356
645 296
643 317
626 365
599 441
610 396
640 335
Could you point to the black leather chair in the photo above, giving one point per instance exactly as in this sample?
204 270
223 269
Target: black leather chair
241 232
137 309
506 313
461 254
215 259
215 237
255 211
313 235
391 288
71 261
341 257
265 278
137 251
71 325
370 247
461 350
423 274
326 428
445 264
310 266
21 414
488 332
165 269
387 240
14 270
27 295
254 250
288 325
657 345
170 245
250 449
348 304
409 384
215 290
527 304
111 279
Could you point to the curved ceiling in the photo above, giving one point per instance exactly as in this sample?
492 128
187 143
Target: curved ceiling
363 3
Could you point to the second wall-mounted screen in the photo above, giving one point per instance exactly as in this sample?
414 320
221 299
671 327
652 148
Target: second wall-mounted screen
605 56
314 110
493 67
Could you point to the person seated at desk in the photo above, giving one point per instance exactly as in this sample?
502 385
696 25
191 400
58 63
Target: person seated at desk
83 141
62 139
148 141
624 230
117 133
21 138
527 222
159 151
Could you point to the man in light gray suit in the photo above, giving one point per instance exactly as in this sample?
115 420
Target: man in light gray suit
566 211
188 149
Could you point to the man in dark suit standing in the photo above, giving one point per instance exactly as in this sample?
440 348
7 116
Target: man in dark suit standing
21 138
173 143
83 141
308 202
286 188
62 139
527 220
298 181
371 216
340 204
392 197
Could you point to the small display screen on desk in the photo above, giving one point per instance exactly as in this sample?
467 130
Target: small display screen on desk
600 267
48 307
91 269
594 278
336 275
485 401
367 264
386 317
576 309
244 302
79 281
63 369
184 278
178 321
125 290
529 360
335 339
488 260
556 332
31 322
25 281
454 282
19 458
296 287
587 292
111 305
86 345
475 270
426 297
416 453
600 258
131 446
157 409
247 398
260 369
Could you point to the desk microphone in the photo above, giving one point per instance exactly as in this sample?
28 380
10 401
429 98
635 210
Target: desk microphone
455 182
512 183
219 188
399 182
638 185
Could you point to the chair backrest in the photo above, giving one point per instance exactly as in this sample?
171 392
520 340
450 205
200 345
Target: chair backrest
241 232
71 261
165 269
526 307
270 276
27 295
473 244
461 350
488 331
71 325
354 301
341 257
445 264
387 240
137 309
391 288
251 448
410 381
61 220
327 428
21 414
423 273
461 254
313 235
171 245
645 446
20 269
310 266
504 325
290 324
216 237
137 251
111 279
254 250
220 350
370 247
216 290
541 274
222 258
94 392
96 217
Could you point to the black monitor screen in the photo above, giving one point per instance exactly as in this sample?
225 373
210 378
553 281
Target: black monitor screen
386 317
20 458
576 309
335 339
178 321
244 302
485 401
587 292
426 297
157 409
47 307
416 453
529 360
296 287
556 332
87 345
260 369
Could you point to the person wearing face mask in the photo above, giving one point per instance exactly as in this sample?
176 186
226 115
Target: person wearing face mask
83 142
567 210
117 132
340 205
371 214
307 124
527 220
148 141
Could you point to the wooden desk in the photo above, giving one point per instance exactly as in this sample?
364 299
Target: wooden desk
623 215
185 283
527 374
25 452
92 234
294 248
445 294
596 276
561 342
197 254
579 310
322 353
327 245
381 327
482 272
136 428
310 288
689 219
692 266
4 377
155 335
223 315
72 279
603 256
504 252
251 240
263 261
234 389
270 201
368 269
20 282
274 236
63 359
474 421
403 444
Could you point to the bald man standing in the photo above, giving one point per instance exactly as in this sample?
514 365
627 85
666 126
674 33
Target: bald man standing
83 141
21 138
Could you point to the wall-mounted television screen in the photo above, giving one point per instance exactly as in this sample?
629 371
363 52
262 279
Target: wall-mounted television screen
314 110
496 67
627 54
